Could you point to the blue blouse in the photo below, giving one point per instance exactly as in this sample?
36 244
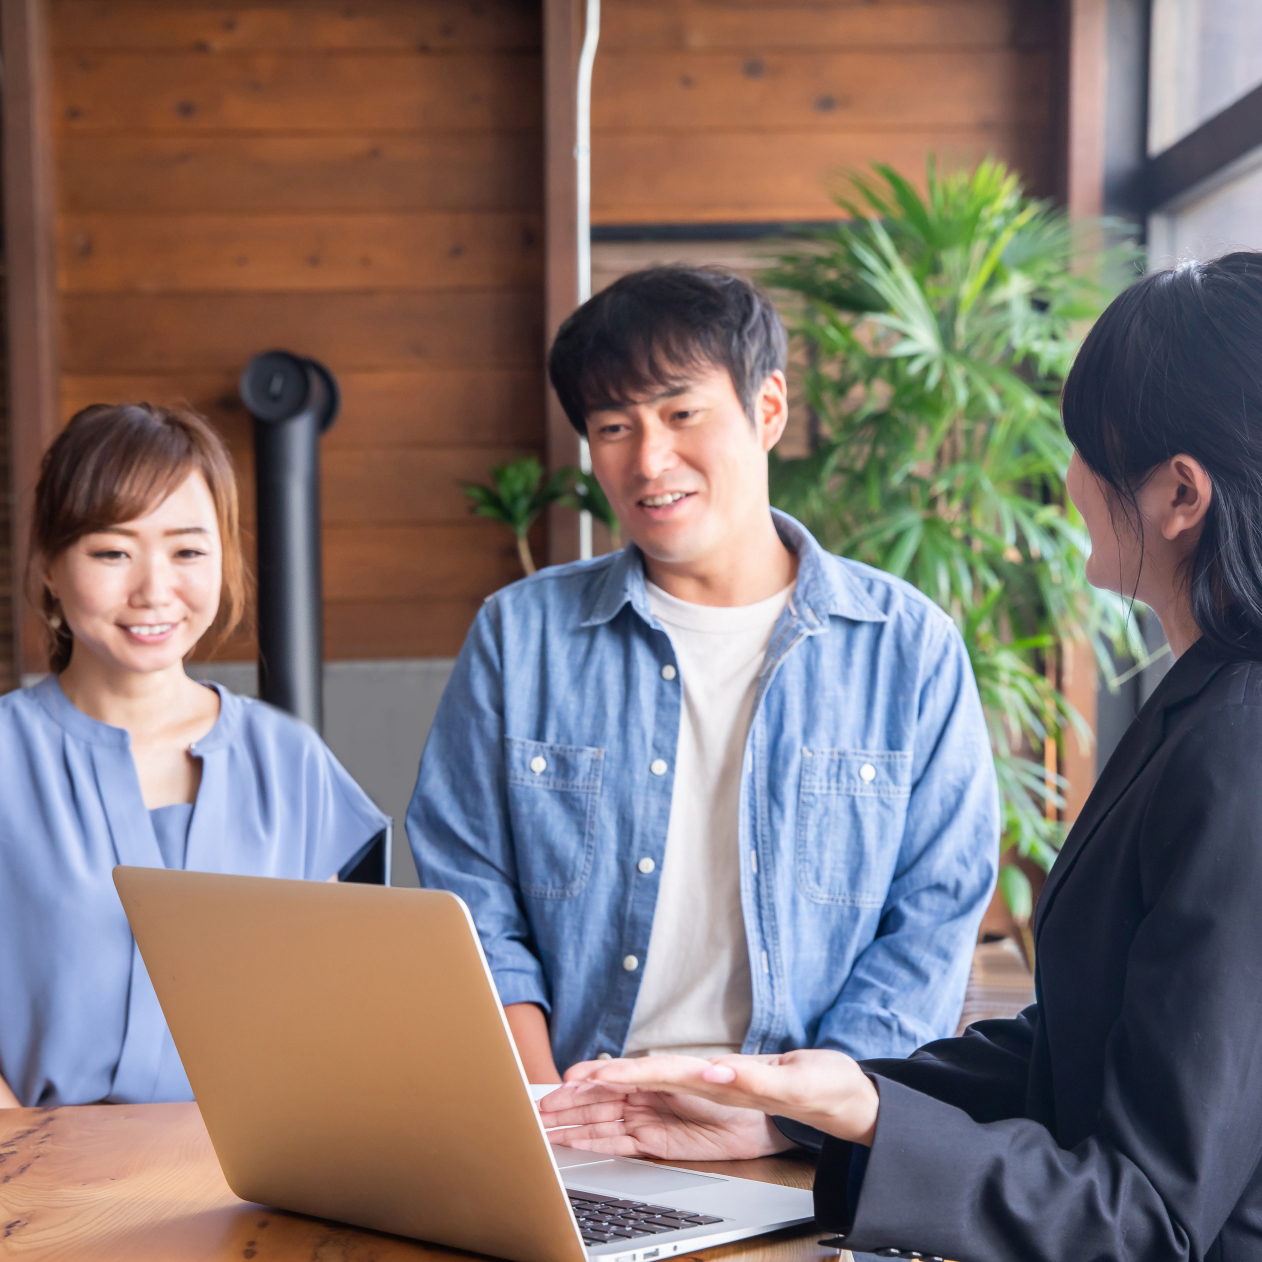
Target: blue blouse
170 831
79 1020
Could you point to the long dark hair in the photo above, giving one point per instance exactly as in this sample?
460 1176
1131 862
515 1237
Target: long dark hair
1175 366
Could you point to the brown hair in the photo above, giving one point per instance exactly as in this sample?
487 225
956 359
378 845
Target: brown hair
113 463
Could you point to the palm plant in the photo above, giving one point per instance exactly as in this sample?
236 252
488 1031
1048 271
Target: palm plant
939 331
586 496
518 493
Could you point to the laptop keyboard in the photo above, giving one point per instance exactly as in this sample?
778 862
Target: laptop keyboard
604 1218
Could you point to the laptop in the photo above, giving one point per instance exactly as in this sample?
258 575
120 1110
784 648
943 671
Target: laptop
351 1061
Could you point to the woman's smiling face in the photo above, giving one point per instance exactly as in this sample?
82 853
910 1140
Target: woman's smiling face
139 595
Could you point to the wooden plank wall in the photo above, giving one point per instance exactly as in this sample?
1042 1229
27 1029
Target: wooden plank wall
740 110
358 182
8 560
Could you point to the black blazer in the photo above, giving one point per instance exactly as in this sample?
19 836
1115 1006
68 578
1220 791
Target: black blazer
1120 1116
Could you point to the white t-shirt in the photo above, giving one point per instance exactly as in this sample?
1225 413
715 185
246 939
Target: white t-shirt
696 994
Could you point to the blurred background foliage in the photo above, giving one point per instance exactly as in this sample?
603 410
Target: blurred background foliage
939 330
518 493
586 496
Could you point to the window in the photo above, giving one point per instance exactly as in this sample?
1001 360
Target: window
1226 217
1203 137
1205 54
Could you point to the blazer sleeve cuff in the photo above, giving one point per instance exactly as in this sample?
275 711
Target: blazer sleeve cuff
917 1145
839 1177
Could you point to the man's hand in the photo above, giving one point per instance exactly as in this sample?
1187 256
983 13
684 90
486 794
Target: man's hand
681 1107
529 1028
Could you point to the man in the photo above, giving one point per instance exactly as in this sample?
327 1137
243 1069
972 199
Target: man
722 790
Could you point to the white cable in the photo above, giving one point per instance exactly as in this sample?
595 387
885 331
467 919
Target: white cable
583 149
583 164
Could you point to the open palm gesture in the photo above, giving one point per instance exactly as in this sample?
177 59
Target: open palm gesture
629 1122
682 1107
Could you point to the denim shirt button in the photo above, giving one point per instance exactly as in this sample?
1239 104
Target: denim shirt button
604 1056
658 767
538 764
668 672
867 773
646 865
630 963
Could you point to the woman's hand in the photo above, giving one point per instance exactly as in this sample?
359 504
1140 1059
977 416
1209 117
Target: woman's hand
680 1107
629 1122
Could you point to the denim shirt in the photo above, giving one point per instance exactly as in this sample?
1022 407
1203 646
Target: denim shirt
868 835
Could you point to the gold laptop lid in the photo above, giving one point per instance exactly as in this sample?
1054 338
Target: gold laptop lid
350 1057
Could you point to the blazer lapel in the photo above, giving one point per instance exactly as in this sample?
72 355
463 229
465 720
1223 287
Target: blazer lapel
1134 750
1142 739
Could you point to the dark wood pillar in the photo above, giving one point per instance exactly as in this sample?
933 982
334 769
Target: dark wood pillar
30 260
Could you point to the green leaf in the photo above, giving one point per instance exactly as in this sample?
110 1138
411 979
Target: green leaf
517 495
1015 887
585 495
942 320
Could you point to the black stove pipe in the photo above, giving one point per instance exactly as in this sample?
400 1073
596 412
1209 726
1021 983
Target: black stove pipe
293 400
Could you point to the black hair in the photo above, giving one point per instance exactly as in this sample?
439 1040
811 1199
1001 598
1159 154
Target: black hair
1174 365
650 329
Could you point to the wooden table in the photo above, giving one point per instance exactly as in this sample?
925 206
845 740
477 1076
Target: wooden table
140 1183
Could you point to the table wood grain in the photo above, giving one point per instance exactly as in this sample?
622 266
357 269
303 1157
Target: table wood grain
140 1183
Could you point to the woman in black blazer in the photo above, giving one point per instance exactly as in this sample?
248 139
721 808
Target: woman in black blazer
1120 1116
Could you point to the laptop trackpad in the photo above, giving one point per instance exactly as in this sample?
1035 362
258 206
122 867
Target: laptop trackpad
629 1178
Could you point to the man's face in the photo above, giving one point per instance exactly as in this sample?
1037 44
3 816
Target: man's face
686 471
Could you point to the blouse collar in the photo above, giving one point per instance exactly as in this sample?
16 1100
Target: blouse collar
79 725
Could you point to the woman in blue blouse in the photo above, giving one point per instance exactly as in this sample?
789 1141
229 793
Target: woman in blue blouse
119 757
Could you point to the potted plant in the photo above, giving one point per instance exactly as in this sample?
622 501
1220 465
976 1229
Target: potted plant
939 331
518 493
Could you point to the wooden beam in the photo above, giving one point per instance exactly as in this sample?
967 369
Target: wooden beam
1088 90
30 259
562 39
1086 95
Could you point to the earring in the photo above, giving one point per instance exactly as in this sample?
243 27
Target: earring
54 621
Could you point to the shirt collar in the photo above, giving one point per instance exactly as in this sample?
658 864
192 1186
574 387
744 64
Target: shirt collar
71 719
823 587
85 728
226 725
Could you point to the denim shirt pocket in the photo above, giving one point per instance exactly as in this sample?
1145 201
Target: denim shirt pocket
553 791
852 806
